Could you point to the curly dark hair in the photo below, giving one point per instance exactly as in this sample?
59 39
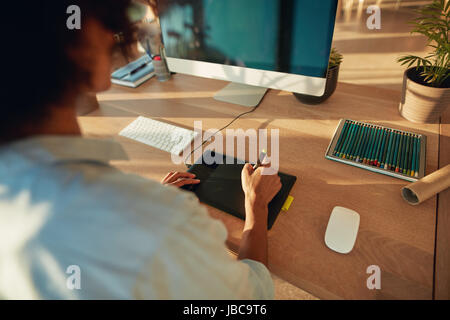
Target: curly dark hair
38 70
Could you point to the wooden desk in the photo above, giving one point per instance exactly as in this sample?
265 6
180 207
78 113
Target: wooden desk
397 237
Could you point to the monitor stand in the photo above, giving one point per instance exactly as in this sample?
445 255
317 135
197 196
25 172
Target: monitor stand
241 94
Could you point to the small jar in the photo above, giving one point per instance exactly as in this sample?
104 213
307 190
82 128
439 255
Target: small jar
161 70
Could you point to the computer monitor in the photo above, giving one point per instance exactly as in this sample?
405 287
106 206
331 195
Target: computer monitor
255 44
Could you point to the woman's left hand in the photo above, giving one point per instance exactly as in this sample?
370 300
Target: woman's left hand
179 179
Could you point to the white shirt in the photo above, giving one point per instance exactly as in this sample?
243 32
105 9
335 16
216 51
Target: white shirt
63 207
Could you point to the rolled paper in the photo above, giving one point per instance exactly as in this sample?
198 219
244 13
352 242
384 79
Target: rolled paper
427 187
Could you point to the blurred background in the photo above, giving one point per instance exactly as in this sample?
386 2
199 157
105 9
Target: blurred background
369 54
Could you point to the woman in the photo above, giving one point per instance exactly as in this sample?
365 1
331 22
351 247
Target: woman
72 226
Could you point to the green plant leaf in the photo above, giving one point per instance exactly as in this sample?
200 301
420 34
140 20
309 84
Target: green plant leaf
433 22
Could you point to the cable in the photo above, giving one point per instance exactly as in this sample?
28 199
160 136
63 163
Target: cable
224 127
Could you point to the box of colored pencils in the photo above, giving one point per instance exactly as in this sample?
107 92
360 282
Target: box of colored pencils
393 152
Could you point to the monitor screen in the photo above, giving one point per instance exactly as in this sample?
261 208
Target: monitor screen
289 36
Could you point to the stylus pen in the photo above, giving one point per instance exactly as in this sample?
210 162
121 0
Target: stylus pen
262 155
142 66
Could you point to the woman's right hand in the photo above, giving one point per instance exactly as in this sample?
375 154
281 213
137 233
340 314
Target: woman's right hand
259 189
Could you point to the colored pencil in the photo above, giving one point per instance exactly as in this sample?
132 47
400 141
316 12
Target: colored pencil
418 157
381 149
347 140
377 147
384 149
413 166
372 142
361 143
357 155
405 156
383 157
380 143
399 154
372 145
369 143
389 151
395 150
402 160
353 141
365 143
410 156
341 138
358 138
402 153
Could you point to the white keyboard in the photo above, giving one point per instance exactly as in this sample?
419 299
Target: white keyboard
159 134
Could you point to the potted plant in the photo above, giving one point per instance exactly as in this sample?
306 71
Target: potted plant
426 85
330 86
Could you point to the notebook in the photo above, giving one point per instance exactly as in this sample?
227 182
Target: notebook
134 73
221 188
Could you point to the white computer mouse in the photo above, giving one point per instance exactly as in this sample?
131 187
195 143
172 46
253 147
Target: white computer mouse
342 230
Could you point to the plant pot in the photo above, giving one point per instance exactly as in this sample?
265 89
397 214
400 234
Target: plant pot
330 87
421 103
